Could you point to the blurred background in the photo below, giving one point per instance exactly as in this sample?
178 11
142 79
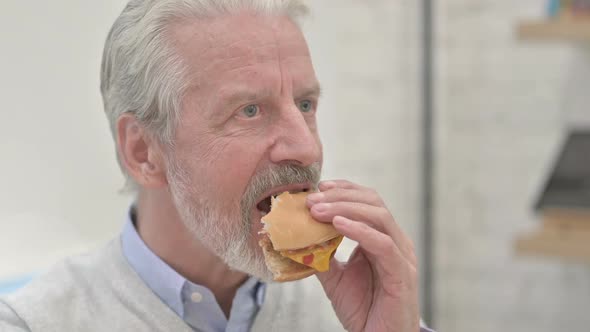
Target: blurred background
471 118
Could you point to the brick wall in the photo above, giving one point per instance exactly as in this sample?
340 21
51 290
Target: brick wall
503 108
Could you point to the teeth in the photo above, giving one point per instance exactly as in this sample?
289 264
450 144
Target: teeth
274 197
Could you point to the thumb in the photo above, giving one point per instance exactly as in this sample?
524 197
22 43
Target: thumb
333 274
337 268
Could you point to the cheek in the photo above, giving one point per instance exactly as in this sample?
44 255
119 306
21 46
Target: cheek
230 164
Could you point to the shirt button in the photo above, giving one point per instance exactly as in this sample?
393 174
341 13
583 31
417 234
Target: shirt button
196 297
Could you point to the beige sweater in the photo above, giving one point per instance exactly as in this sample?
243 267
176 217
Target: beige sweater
101 292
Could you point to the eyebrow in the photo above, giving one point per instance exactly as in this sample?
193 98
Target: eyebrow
244 96
247 95
314 91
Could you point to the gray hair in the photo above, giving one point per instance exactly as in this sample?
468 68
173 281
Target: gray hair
142 75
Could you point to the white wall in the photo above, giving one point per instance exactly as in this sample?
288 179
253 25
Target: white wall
58 173
367 61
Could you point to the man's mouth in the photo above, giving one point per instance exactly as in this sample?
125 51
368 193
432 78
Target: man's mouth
263 206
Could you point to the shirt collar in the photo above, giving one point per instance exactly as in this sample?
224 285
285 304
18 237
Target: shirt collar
158 275
164 281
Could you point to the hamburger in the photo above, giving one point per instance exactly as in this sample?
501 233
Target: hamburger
295 245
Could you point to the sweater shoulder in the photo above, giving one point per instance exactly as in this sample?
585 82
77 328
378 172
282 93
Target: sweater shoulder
10 321
72 278
90 292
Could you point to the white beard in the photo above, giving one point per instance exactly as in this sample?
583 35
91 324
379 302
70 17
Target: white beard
216 228
212 228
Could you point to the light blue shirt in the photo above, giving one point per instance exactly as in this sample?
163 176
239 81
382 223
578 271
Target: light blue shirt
195 304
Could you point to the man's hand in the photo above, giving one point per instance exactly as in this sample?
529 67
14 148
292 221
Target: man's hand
377 289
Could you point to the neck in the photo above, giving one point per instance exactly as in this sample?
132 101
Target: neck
159 225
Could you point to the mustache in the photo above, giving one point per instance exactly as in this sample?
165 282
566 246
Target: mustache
277 175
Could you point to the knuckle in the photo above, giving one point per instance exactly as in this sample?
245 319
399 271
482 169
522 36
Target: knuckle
411 250
364 227
383 213
347 183
413 275
372 192
339 193
388 245
414 259
375 196
411 246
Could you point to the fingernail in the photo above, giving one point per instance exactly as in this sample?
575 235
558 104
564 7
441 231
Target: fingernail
322 207
315 198
341 221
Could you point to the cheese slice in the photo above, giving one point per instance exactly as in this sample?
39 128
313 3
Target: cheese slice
316 257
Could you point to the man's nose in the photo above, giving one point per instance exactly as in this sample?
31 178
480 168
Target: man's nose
296 142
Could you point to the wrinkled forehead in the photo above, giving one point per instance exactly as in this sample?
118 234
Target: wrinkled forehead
237 41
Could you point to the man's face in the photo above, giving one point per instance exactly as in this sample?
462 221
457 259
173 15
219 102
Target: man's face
247 125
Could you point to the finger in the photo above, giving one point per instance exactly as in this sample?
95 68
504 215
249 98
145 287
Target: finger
345 195
396 274
378 218
395 231
380 247
343 184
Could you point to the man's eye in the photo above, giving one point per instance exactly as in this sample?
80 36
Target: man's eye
251 111
305 106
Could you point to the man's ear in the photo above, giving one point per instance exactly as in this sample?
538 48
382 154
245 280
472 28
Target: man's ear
139 153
